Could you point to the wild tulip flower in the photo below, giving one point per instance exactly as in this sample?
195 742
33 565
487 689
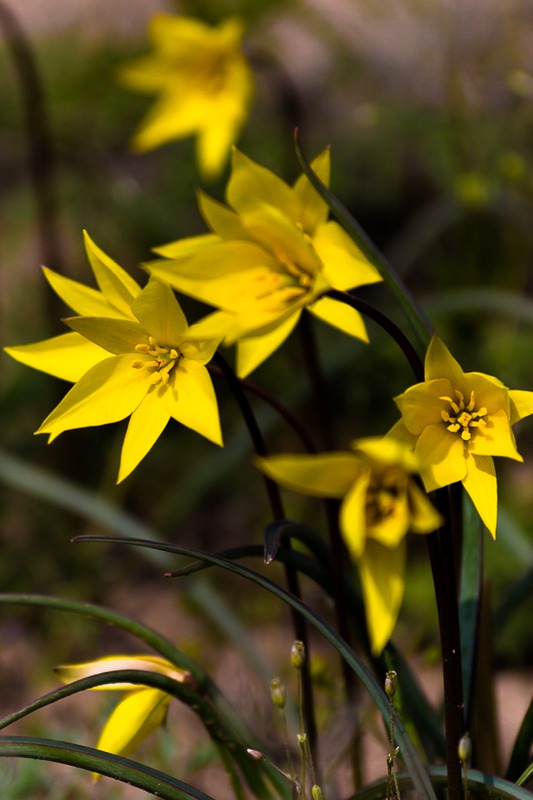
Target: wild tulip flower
142 709
272 252
70 355
456 422
203 83
381 502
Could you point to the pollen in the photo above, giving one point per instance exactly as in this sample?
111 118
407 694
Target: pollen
463 418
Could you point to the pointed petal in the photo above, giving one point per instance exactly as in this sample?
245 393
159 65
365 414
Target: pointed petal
112 335
160 314
399 432
521 404
116 284
146 425
424 517
480 483
314 210
340 316
496 438
109 392
320 475
229 109
191 399
68 356
421 404
382 571
67 673
345 266
81 299
441 364
221 219
279 235
489 392
251 185
253 350
353 511
135 718
441 456
186 248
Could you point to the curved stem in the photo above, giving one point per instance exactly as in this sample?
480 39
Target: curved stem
299 624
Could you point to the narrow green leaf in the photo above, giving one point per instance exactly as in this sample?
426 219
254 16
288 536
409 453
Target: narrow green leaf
411 758
419 323
525 775
479 782
122 769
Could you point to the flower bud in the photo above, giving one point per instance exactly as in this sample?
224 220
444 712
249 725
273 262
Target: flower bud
390 684
255 754
464 749
278 693
316 792
298 654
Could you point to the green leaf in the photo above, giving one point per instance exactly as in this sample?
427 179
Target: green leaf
122 769
411 758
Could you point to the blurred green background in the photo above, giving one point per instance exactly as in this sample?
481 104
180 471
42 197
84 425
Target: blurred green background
428 107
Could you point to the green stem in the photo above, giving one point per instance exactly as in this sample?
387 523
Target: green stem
299 624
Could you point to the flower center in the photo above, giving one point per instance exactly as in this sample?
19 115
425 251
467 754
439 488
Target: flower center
463 418
164 359
382 497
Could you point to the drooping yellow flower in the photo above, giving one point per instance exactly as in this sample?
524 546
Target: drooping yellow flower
142 709
203 82
272 253
70 355
456 421
381 503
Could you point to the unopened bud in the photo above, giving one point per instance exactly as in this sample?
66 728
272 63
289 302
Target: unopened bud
256 755
302 739
278 693
390 684
464 749
298 654
316 792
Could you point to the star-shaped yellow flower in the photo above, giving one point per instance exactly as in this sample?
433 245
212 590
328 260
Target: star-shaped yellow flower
272 253
381 503
456 421
142 709
203 82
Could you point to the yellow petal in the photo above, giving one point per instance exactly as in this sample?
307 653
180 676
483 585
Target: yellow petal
390 529
388 450
400 433
108 392
67 673
314 210
320 475
221 219
252 186
81 299
229 109
340 316
191 399
116 284
382 572
489 392
441 364
146 425
160 314
521 404
496 438
421 405
279 235
185 248
424 517
135 718
112 335
353 512
253 350
68 356
441 456
344 264
480 483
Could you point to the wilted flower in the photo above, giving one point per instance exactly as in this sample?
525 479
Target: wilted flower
272 253
456 421
381 502
203 82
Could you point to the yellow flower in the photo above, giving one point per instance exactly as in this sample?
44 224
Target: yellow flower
131 353
203 82
381 503
70 355
272 253
141 711
456 421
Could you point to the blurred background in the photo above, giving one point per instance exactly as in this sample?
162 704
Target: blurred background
428 108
